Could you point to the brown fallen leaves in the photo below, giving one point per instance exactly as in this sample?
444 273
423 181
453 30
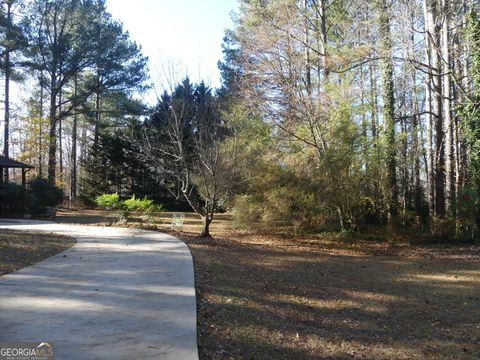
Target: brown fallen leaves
20 249
278 297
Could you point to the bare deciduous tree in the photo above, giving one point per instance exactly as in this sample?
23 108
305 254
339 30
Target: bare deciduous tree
184 140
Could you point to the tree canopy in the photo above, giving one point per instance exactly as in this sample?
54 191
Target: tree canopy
331 115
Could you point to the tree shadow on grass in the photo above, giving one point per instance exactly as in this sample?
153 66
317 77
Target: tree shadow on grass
254 300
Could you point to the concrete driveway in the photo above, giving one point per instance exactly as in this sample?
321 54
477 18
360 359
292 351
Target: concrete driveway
116 294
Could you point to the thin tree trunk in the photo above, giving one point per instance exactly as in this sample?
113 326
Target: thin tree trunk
52 147
364 119
417 191
448 122
308 70
40 131
458 178
73 178
374 110
374 104
323 39
437 109
83 152
462 155
466 51
7 68
97 114
206 221
433 42
404 172
429 116
60 137
388 107
97 120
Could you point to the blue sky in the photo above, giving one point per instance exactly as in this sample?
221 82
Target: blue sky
180 36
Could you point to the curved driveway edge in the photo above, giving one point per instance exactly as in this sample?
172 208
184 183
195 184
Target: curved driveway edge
116 294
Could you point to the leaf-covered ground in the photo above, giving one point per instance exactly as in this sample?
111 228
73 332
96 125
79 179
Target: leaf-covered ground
280 297
21 249
265 297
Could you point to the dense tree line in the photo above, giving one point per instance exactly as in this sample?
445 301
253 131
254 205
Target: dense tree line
372 108
77 70
332 114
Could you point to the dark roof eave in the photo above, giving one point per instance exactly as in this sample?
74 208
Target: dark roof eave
9 163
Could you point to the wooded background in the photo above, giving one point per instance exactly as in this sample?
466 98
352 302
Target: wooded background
334 115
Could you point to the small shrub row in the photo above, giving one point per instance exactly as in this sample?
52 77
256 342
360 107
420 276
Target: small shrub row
124 208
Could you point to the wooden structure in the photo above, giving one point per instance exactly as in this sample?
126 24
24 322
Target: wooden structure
7 163
12 203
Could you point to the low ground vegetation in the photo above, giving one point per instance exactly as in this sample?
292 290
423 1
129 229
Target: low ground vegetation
145 208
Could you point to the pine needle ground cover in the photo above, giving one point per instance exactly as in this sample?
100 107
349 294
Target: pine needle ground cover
21 249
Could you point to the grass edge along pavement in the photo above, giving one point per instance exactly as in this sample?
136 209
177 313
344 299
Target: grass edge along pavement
19 249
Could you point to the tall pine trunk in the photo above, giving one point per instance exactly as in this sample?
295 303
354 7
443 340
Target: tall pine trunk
417 186
73 175
97 114
388 107
40 131
437 157
60 136
428 110
447 110
52 146
7 69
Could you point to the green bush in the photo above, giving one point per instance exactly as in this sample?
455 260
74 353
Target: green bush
43 194
468 203
247 211
123 208
144 205
283 207
12 199
109 201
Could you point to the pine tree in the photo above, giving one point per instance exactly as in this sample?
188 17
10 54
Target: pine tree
13 43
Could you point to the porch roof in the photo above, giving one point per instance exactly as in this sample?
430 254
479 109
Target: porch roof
10 163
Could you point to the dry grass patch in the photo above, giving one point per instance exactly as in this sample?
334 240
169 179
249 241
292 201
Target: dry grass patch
20 249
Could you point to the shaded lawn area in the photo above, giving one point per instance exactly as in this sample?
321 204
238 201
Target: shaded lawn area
265 297
20 249
279 297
